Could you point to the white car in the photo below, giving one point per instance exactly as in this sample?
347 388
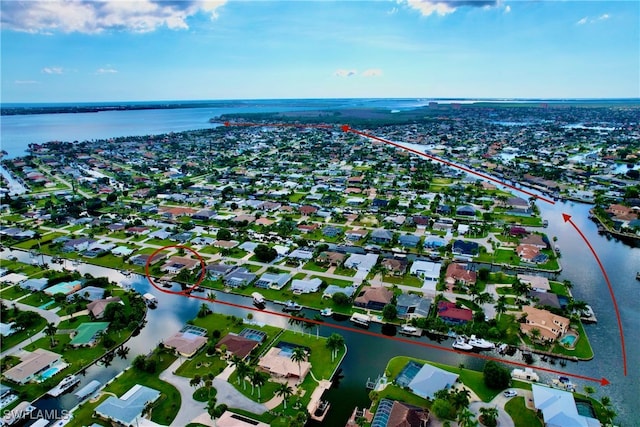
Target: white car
510 393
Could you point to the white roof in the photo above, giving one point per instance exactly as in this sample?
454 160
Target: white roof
426 269
361 262
558 408
13 278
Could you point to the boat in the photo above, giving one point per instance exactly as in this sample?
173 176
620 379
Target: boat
461 344
258 299
638 275
408 329
150 300
291 306
480 343
326 312
87 390
360 319
64 385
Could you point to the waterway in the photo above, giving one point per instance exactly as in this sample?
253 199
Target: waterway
367 355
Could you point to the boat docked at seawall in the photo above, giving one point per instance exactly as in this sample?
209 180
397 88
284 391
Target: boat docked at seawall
258 299
64 385
480 344
461 344
291 306
326 312
150 300
360 319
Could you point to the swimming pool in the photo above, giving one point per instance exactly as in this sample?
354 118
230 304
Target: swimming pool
408 373
585 409
286 348
569 340
64 288
49 373
253 334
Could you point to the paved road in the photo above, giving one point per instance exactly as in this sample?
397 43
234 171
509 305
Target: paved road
49 316
498 402
227 394
189 409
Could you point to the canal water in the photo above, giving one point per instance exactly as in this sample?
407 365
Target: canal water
368 355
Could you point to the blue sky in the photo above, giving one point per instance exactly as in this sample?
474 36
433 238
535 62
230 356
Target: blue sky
75 51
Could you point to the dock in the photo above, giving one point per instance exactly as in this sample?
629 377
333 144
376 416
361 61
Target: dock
317 407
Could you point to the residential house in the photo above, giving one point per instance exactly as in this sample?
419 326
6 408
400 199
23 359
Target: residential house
239 277
381 236
537 283
412 306
426 270
236 345
443 224
204 214
331 290
451 314
466 211
551 326
278 363
77 245
31 365
331 258
355 235
308 210
434 242
88 334
89 293
226 244
395 266
534 240
393 413
362 262
420 221
331 231
545 299
462 247
273 281
409 240
430 379
35 284
373 298
142 259
303 254
96 308
517 231
443 210
186 343
531 254
175 264
127 410
458 273
219 270
299 286
558 408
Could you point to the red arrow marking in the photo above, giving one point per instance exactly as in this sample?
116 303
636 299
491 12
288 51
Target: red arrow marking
602 381
567 218
295 125
347 128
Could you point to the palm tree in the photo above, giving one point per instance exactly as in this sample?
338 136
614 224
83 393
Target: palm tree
259 379
215 411
466 418
334 343
484 298
284 391
122 352
212 297
460 399
51 330
204 310
535 334
489 416
243 370
501 305
195 381
299 355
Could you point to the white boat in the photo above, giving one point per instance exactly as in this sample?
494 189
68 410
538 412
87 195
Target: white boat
461 344
64 385
150 300
291 306
360 319
326 312
408 329
480 343
257 298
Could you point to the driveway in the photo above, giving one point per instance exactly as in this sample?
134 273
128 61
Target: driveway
498 402
227 394
49 316
189 409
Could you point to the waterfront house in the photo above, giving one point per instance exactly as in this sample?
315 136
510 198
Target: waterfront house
236 345
299 286
373 298
426 270
277 362
458 273
331 290
517 231
96 308
537 283
462 247
558 408
216 270
175 264
239 277
186 343
551 326
409 240
381 236
451 314
331 231
531 254
89 293
330 258
412 306
430 379
273 281
354 235
534 240
77 245
544 299
395 266
141 259
127 410
394 413
35 284
31 365
88 333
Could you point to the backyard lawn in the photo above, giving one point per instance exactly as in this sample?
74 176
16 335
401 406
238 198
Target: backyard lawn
520 414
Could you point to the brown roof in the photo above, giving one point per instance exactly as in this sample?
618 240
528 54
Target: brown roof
404 415
377 294
534 239
185 343
394 264
237 345
96 308
459 272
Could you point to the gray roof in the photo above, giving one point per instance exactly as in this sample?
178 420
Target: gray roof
35 284
334 289
127 408
381 233
421 305
91 293
430 379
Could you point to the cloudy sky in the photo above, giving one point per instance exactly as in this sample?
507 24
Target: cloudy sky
73 50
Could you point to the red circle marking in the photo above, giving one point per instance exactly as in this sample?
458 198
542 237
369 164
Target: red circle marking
196 254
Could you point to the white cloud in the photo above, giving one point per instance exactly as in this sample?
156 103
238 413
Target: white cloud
345 73
507 9
373 72
586 19
108 70
96 16
393 11
52 70
445 7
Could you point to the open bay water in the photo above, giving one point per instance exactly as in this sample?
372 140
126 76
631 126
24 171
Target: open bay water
367 356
